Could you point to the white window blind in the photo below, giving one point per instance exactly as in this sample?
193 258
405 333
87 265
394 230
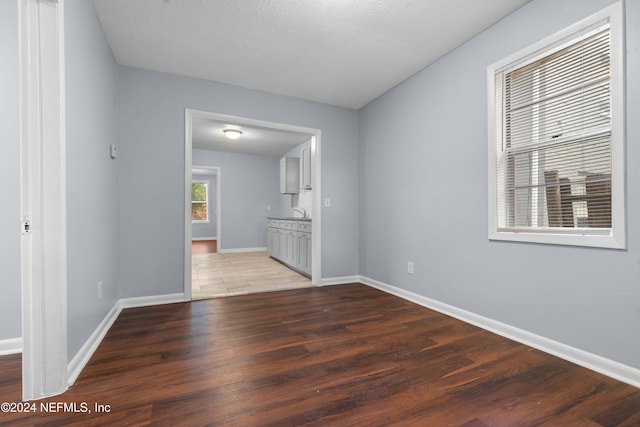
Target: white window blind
556 137
553 163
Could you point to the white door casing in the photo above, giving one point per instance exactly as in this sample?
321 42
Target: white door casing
315 134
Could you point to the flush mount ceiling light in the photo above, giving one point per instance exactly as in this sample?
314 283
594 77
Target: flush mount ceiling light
232 133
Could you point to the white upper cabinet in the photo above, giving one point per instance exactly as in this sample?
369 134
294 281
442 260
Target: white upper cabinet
289 175
305 171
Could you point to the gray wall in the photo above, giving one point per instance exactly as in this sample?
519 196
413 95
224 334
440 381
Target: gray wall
208 229
151 133
92 176
423 198
10 304
247 185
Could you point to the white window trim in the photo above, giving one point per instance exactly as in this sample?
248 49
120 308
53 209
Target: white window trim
202 221
616 238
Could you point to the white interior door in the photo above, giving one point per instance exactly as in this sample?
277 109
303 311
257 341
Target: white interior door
43 246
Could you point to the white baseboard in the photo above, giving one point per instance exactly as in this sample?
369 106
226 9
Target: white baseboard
10 346
330 281
80 360
197 239
608 367
240 250
152 300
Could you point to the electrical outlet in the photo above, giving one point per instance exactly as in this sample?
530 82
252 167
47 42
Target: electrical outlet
410 267
100 289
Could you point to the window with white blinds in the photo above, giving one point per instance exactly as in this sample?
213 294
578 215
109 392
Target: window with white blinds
553 139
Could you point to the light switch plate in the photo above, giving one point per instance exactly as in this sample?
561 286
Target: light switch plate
327 202
113 151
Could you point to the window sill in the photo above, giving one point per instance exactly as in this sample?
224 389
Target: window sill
608 240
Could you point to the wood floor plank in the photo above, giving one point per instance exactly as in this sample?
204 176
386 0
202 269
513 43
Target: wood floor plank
341 355
204 246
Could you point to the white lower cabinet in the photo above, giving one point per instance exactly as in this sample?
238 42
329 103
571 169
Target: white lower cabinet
276 240
291 247
269 241
283 250
303 252
303 248
290 243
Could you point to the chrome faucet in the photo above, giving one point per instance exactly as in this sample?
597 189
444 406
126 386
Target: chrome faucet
302 211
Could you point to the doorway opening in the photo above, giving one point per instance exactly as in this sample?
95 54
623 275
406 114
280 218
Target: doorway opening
205 209
230 246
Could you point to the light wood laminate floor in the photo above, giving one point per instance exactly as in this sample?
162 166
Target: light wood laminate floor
227 274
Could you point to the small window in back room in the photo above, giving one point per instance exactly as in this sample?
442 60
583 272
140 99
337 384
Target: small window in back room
557 138
200 201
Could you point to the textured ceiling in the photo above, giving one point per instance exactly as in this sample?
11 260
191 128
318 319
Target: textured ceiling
207 134
340 52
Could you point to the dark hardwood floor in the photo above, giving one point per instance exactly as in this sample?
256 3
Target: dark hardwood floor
341 355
